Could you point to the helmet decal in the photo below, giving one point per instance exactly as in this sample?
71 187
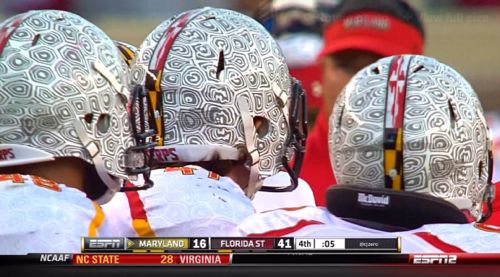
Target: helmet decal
394 115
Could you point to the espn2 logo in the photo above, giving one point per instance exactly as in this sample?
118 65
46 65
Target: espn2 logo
434 259
103 243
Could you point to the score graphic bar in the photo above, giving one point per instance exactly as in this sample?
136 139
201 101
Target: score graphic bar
222 244
94 245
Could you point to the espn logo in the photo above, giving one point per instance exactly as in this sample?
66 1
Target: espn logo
104 244
434 259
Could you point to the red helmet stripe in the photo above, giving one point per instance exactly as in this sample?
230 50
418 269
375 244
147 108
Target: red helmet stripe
9 27
393 123
173 30
396 92
158 60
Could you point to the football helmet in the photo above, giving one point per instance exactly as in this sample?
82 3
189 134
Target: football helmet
411 123
282 17
211 75
297 27
64 92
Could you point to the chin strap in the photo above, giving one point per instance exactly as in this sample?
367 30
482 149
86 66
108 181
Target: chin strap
93 148
297 139
137 159
254 182
489 194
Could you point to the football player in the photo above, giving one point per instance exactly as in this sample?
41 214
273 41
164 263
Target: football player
297 27
65 135
360 33
412 153
227 114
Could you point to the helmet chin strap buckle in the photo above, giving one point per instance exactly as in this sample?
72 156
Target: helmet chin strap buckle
297 140
93 149
254 182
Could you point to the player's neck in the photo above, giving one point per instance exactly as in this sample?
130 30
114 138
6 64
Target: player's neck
240 175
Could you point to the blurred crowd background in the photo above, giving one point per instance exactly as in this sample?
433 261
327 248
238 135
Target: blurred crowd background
462 33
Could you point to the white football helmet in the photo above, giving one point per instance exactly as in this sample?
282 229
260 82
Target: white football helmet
211 73
64 93
414 124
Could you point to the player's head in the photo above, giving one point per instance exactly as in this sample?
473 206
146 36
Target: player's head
297 27
374 26
360 33
63 94
220 91
283 17
410 123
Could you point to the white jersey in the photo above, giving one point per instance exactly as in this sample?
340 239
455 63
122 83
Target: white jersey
318 222
300 197
493 120
39 216
184 201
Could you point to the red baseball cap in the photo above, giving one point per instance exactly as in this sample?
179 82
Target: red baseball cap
301 51
375 32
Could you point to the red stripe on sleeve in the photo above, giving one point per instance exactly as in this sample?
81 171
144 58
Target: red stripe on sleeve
285 231
439 244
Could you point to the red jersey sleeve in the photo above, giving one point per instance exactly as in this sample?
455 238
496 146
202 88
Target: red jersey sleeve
317 169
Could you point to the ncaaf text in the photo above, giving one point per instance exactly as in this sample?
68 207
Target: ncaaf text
136 259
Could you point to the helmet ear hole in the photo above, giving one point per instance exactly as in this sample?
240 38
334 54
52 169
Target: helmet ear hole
103 123
261 126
